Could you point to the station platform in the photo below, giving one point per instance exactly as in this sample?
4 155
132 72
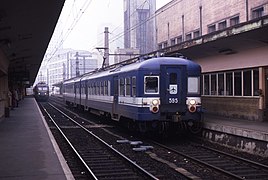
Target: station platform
239 127
244 135
28 150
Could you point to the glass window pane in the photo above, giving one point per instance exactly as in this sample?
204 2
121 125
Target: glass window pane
128 86
122 87
151 84
237 84
221 84
229 84
193 85
173 78
256 82
206 84
213 84
133 86
247 83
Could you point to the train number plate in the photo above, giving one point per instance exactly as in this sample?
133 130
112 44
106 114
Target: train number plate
173 100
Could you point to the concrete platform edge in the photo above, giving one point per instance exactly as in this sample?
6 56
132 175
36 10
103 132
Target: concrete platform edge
238 131
65 167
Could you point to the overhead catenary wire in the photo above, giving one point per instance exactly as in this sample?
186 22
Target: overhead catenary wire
113 39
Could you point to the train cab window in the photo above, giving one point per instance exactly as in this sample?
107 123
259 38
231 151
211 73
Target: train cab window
173 78
133 86
193 85
151 84
42 88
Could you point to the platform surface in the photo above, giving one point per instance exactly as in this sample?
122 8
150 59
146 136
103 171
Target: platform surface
27 149
244 128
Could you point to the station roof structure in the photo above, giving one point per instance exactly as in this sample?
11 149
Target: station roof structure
26 28
243 36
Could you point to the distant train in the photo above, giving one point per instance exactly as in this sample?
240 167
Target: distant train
41 91
158 94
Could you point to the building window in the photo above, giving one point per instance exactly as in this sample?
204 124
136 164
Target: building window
165 44
172 42
196 34
188 36
221 84
179 39
234 21
222 25
213 86
211 28
160 46
247 83
256 13
229 83
206 84
237 83
256 82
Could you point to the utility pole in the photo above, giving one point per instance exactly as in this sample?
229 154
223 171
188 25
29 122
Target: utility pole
77 64
106 48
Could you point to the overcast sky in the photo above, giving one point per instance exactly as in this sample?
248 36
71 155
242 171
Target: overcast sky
82 23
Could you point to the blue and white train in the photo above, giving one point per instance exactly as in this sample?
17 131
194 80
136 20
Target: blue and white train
160 93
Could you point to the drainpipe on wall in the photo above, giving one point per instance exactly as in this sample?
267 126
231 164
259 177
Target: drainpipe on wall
182 19
247 10
200 19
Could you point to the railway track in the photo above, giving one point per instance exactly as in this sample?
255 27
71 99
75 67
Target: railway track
99 158
228 165
178 160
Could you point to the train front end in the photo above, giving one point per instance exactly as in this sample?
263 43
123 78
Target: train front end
176 103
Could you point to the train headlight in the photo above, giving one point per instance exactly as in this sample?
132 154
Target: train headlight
192 102
155 102
192 109
155 109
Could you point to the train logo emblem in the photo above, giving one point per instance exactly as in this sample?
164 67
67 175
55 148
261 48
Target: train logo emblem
173 89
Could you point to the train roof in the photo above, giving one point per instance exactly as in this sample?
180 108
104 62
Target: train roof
41 84
149 64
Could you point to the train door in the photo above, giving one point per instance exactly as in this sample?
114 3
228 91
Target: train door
173 89
115 100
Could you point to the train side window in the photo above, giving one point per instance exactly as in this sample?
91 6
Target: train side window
98 88
102 88
151 84
133 86
127 86
94 89
108 88
122 87
105 86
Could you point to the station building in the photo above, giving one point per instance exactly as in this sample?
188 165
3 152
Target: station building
229 39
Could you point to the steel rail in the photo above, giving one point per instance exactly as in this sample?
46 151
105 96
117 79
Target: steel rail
108 145
70 144
199 161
